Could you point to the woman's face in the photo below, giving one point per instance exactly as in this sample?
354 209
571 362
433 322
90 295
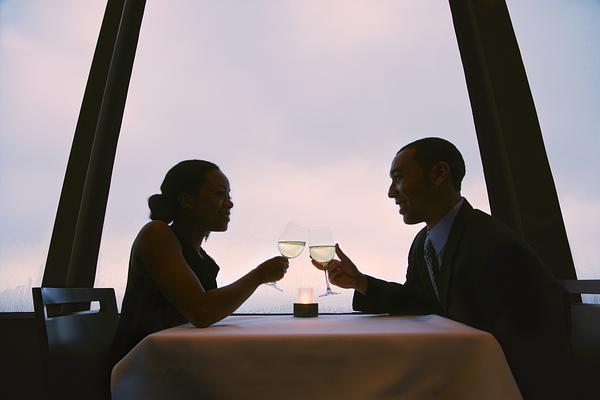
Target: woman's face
210 207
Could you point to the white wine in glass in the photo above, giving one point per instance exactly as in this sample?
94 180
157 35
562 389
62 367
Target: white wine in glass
291 243
322 254
322 249
290 248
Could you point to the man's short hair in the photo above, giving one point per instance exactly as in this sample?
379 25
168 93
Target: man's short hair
431 150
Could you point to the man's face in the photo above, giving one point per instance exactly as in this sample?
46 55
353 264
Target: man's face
411 187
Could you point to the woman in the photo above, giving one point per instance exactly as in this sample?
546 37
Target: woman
171 279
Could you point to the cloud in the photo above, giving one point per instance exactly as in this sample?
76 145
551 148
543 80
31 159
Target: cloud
44 65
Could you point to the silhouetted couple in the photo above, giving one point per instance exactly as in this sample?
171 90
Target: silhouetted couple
463 265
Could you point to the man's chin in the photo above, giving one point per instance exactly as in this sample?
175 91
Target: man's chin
411 219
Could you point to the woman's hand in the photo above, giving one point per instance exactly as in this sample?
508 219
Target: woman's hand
272 270
344 273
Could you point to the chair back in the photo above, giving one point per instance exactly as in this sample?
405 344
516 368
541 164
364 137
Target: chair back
585 322
75 340
585 332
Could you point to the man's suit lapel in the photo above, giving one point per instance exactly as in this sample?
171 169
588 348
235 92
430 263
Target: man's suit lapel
450 251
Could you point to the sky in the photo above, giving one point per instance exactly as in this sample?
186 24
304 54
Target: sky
303 104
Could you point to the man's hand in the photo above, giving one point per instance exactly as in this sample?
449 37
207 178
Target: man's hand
343 272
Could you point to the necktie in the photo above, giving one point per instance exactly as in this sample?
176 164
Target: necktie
432 264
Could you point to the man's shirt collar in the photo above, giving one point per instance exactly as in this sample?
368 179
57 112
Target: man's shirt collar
440 232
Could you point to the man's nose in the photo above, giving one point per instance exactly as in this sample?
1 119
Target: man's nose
391 191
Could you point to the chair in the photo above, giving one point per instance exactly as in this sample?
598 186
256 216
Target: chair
585 331
75 343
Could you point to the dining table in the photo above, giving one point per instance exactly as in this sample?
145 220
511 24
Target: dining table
346 356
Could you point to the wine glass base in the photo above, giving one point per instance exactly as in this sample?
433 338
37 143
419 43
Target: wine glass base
274 286
329 292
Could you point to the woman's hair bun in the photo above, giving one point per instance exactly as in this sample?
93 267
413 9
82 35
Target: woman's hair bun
161 208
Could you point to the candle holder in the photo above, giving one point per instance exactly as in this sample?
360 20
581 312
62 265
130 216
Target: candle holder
306 310
306 307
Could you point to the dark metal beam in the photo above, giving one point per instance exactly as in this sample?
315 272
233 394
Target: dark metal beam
86 245
519 181
63 232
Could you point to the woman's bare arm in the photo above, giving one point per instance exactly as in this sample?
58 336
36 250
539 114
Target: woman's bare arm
161 256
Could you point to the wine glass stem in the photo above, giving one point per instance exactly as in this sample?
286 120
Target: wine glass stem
326 277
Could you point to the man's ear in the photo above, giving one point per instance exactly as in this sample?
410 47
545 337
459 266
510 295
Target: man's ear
439 173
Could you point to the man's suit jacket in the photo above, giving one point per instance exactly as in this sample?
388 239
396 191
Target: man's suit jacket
490 279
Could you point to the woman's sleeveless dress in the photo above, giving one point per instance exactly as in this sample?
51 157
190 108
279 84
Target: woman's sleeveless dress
145 310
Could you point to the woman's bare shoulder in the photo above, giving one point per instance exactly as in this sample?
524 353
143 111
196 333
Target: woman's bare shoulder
155 233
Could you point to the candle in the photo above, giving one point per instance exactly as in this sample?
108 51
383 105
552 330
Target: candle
305 295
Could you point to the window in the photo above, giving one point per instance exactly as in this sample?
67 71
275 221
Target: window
302 105
46 50
560 46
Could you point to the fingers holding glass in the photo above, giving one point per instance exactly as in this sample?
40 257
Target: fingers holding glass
273 269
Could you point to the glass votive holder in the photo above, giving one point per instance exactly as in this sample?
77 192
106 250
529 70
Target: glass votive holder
305 307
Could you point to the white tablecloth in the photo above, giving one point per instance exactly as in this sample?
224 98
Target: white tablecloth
329 357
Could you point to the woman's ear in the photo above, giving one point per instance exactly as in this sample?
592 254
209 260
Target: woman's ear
440 173
185 201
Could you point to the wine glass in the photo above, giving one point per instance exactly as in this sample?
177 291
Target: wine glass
290 244
322 249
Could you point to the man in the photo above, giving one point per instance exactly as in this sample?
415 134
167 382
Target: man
469 267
